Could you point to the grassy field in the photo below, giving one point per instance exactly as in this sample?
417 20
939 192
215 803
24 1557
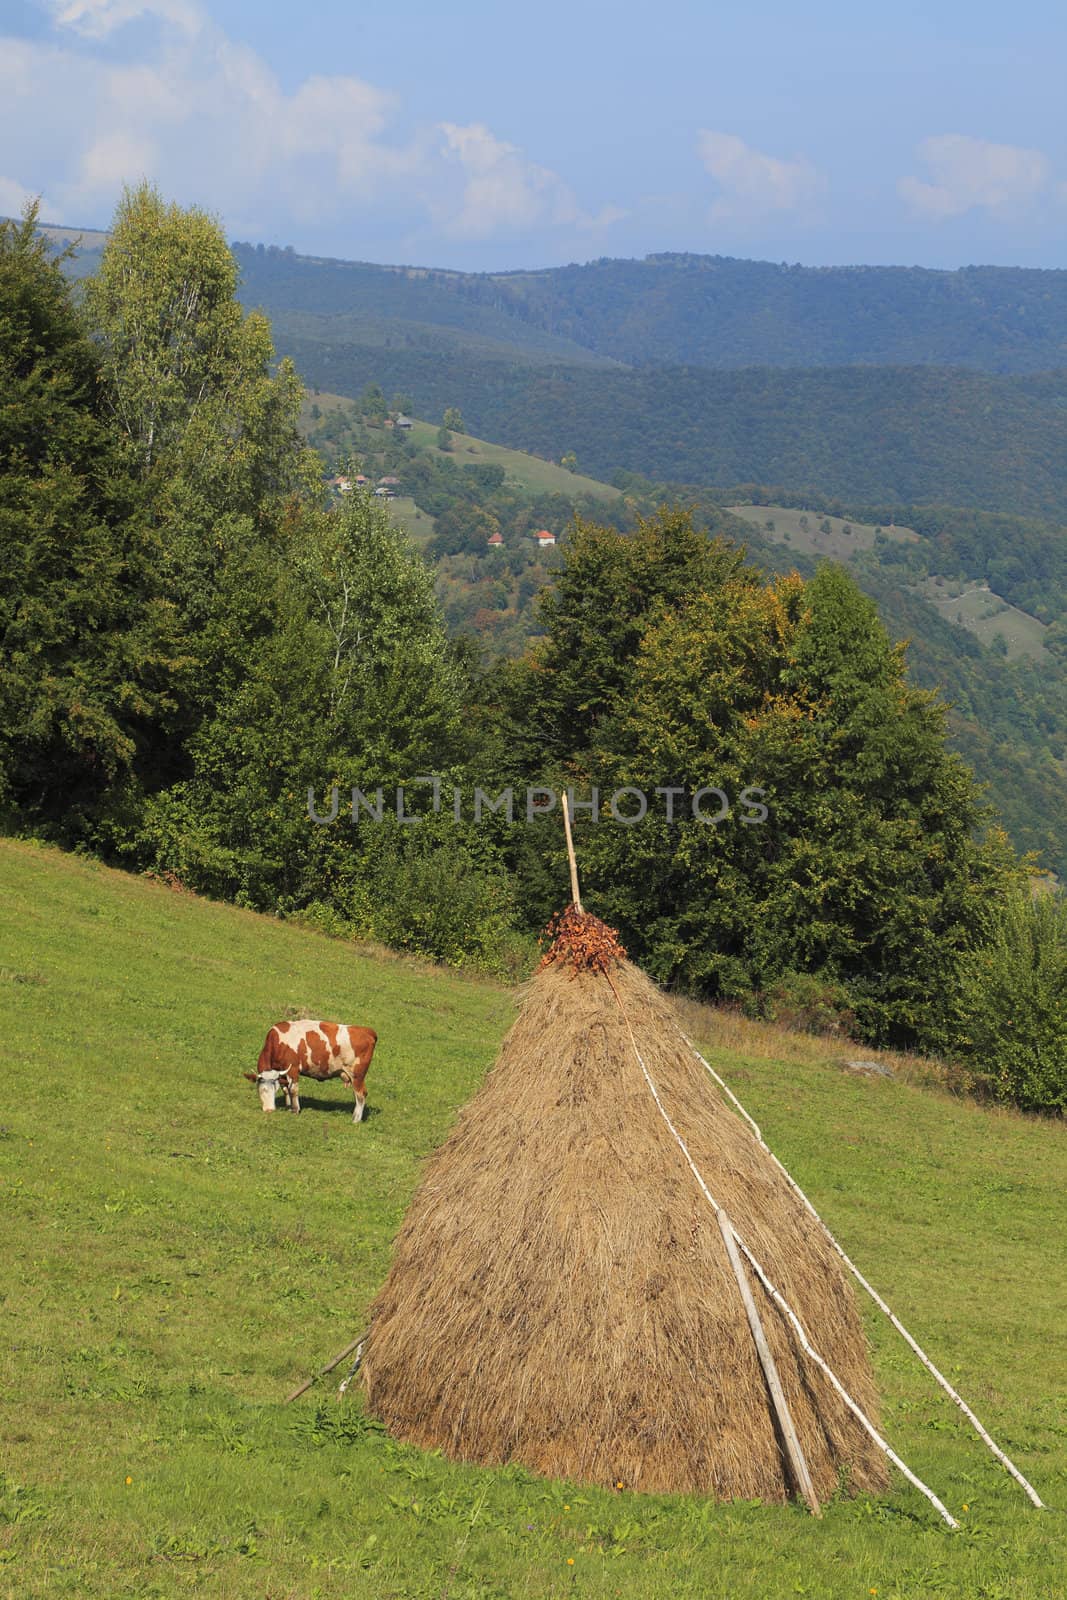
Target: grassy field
417 524
838 540
533 474
175 1262
984 613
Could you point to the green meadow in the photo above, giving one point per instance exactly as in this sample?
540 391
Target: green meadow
984 613
531 473
835 538
175 1262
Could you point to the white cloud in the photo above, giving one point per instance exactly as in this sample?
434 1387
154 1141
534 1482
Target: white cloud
968 173
500 188
95 19
207 119
115 159
752 184
14 199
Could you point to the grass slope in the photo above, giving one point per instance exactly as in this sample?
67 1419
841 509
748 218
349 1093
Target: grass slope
531 473
803 530
176 1261
986 614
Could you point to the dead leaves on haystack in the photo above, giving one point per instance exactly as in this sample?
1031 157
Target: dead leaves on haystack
582 942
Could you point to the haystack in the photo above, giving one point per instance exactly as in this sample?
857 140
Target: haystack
560 1293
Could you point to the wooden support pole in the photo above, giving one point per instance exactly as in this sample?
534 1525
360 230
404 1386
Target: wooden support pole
781 1409
575 897
336 1362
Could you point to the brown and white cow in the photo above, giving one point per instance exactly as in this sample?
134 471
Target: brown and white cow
316 1050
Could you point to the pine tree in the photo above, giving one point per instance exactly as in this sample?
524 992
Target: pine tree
87 651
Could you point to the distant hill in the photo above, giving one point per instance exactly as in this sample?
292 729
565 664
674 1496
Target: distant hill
682 310
400 308
705 311
533 362
714 311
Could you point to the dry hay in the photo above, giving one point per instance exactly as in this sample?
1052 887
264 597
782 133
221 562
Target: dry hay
560 1295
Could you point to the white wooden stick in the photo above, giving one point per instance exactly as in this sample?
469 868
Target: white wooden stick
801 1475
940 1378
353 1369
575 898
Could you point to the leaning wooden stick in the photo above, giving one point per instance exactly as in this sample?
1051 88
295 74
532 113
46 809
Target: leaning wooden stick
797 1462
336 1362
570 855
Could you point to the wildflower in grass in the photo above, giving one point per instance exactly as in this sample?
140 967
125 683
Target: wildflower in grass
129 1480
570 1561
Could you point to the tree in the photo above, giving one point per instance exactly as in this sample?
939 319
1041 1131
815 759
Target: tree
453 420
610 587
187 372
668 664
209 428
1008 1015
88 664
570 461
352 684
372 405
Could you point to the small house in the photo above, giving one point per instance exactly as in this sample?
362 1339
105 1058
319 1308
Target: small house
544 538
495 540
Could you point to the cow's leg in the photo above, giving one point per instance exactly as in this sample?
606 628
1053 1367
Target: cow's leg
292 1091
361 1099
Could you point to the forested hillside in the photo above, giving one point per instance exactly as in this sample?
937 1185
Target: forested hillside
1008 712
866 434
707 311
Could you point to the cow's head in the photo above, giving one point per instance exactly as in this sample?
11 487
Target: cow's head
268 1083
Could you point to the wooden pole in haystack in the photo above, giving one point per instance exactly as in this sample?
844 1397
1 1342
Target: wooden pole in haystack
575 898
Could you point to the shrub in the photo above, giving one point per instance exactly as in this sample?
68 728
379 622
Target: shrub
1008 1022
810 1002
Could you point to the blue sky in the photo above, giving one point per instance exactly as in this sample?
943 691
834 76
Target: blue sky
470 134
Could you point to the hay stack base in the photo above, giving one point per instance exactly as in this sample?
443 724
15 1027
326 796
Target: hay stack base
560 1294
